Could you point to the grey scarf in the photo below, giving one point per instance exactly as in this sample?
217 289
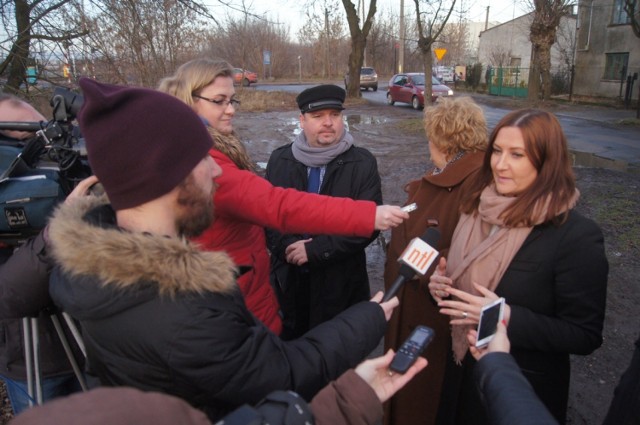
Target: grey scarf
319 157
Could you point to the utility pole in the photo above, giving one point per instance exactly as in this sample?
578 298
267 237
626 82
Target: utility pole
326 51
486 20
402 41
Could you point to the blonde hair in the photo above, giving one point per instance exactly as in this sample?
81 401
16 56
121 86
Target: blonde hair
456 124
189 79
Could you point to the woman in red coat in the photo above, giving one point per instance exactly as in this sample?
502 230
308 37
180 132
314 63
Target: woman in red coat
245 202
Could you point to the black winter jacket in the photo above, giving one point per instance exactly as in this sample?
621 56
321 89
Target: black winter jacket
337 267
159 314
556 286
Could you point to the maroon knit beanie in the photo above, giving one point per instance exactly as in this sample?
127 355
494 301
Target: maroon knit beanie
141 143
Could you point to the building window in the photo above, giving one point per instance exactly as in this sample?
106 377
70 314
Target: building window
515 62
616 66
620 16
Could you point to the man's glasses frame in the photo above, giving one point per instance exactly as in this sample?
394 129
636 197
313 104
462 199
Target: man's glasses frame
222 102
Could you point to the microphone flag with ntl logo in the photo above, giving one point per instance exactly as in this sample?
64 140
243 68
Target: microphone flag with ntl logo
418 255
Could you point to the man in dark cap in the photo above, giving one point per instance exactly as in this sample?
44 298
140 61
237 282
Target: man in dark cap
157 313
318 276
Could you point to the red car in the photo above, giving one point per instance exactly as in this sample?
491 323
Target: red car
409 88
244 77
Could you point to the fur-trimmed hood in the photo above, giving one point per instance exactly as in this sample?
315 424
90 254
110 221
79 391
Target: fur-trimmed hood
89 249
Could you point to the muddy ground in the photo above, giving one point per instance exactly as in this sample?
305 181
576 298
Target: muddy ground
611 198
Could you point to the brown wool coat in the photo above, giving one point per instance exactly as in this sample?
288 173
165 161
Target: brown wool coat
437 196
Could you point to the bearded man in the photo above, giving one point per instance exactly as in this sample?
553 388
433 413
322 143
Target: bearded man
157 313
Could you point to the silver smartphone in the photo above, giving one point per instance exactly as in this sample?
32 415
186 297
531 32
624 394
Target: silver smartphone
490 315
410 207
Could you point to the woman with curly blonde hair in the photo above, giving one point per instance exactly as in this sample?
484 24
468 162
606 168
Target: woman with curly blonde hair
457 133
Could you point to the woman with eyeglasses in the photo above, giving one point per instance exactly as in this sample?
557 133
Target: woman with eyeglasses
245 203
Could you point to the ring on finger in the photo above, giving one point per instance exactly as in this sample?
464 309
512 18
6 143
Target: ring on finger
465 314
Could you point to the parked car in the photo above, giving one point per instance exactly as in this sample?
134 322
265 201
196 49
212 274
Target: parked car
409 88
368 79
244 77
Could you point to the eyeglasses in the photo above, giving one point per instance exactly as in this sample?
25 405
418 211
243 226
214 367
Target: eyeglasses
222 102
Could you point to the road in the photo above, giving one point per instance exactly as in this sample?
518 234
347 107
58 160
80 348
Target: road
592 137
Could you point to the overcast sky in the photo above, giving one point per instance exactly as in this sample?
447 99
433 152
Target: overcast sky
292 11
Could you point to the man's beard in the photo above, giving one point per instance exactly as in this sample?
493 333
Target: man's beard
195 208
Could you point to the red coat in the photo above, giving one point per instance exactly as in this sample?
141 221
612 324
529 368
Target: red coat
245 203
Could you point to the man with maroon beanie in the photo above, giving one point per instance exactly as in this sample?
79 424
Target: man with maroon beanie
157 313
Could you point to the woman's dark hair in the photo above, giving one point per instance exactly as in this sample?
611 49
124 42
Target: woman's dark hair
546 147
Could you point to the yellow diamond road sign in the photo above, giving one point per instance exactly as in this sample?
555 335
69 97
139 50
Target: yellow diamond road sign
440 53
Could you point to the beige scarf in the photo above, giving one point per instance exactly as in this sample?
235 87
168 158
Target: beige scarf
482 248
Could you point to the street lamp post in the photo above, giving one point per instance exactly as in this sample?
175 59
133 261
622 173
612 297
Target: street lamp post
299 69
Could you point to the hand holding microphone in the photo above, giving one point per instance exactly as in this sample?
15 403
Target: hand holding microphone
416 258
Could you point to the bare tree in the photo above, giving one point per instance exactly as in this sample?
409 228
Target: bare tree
454 38
137 42
457 35
358 42
499 56
324 36
546 18
430 23
36 20
241 42
381 52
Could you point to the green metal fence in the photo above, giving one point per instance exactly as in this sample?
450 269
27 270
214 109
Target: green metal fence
509 81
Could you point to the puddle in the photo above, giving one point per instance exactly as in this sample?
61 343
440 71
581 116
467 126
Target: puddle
584 159
349 120
365 119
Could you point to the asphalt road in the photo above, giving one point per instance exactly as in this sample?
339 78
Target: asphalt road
592 135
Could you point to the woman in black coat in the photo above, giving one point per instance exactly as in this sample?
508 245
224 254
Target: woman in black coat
519 238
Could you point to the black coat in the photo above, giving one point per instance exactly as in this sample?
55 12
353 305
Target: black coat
510 399
507 395
159 314
556 286
337 269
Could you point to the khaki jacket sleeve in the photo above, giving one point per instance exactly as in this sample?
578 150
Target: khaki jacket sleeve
349 400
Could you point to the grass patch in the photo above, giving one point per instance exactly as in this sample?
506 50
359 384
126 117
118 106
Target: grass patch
411 126
617 209
631 122
266 101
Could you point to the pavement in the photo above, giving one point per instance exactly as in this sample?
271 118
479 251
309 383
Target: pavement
598 136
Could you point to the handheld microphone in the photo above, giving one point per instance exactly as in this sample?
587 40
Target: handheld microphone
417 257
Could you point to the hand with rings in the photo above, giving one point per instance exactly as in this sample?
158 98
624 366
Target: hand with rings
439 282
465 310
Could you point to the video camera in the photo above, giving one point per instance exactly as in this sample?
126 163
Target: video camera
38 173
277 408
